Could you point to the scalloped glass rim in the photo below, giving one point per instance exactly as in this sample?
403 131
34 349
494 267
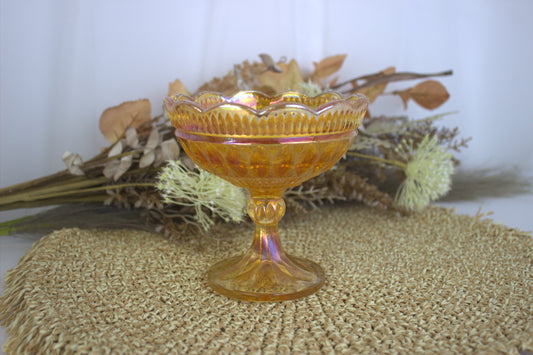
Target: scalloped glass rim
207 101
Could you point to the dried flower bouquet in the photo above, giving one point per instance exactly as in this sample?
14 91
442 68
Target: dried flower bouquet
395 163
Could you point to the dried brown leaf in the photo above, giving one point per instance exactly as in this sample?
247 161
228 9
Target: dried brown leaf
269 63
372 92
177 87
327 67
228 84
225 85
188 163
333 82
429 94
289 79
114 120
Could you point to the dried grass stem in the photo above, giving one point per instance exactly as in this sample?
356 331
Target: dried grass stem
396 163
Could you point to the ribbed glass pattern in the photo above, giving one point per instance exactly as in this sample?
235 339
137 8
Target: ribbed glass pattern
253 114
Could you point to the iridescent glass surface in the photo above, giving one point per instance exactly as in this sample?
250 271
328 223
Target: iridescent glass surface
266 144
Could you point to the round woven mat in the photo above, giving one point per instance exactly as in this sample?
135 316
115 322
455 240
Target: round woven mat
434 282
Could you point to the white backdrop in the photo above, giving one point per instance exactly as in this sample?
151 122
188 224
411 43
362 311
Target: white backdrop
63 62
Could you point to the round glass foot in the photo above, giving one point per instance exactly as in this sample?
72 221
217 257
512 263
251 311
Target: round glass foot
251 278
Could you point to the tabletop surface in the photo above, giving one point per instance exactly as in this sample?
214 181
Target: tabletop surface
514 212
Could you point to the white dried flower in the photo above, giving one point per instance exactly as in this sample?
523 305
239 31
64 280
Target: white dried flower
428 173
179 185
73 163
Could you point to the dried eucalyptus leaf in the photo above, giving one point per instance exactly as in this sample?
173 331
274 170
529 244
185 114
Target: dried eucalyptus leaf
68 156
76 170
147 159
132 139
73 163
110 168
125 163
188 163
170 150
158 157
117 149
153 140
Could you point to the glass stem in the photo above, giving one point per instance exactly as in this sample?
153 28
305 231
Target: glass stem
267 244
265 272
266 213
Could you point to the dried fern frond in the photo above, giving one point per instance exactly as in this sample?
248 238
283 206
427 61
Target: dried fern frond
301 197
340 184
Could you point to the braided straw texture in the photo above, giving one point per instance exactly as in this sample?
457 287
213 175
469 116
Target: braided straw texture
434 282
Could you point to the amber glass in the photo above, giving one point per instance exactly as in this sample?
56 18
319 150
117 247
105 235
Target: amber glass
266 145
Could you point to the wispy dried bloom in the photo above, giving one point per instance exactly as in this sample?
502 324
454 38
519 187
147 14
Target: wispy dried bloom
201 190
428 173
310 88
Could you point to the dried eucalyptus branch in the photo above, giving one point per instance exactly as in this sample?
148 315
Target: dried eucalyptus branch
379 78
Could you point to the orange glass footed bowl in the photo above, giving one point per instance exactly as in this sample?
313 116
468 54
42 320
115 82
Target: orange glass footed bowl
266 144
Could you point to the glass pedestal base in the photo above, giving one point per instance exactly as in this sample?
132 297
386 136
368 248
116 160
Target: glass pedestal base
251 278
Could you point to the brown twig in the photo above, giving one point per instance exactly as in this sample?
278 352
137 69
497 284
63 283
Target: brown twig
54 201
45 180
380 78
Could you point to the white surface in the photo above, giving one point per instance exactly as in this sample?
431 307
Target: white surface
63 63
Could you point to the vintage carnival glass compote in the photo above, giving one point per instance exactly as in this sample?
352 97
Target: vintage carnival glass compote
266 144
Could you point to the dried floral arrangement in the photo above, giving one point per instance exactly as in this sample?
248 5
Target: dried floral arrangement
395 163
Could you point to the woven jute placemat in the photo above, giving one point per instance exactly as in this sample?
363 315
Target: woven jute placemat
434 282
